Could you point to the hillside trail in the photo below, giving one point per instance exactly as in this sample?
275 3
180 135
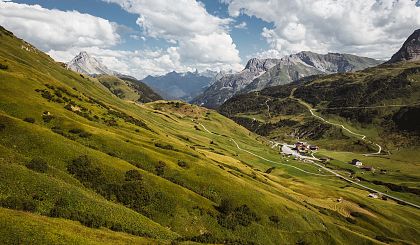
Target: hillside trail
361 136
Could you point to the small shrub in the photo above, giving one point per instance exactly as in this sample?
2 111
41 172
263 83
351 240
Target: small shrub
2 126
38 165
164 146
231 216
133 175
275 219
182 164
76 131
137 130
29 119
82 133
3 67
19 203
47 118
57 130
160 168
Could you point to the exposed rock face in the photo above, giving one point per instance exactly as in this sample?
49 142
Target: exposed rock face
230 84
261 73
86 64
410 51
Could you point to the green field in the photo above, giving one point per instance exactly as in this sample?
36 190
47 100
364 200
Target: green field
80 165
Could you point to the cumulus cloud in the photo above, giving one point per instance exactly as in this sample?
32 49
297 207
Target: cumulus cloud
202 38
374 28
198 40
57 30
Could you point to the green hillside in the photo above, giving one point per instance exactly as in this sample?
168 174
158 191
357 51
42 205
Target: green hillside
81 165
129 89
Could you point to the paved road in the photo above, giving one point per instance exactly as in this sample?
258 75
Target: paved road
311 110
323 167
265 159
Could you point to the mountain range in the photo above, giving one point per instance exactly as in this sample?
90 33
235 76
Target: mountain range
181 86
383 99
261 73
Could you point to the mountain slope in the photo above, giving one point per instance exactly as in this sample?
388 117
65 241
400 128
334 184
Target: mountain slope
129 88
230 84
260 74
303 64
182 86
123 86
410 51
73 155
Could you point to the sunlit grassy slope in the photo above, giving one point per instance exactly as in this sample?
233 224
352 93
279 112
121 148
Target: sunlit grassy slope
83 165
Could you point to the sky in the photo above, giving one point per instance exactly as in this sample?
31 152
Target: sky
154 37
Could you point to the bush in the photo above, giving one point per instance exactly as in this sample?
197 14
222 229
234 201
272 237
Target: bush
3 67
230 217
133 175
47 118
83 170
82 133
164 146
19 203
182 164
275 219
76 131
38 165
160 168
29 119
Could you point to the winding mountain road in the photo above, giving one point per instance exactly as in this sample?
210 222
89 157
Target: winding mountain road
311 110
321 175
265 159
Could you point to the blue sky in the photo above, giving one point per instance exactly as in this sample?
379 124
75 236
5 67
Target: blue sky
142 37
248 40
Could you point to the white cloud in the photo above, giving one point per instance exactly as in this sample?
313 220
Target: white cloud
202 38
55 29
199 40
375 28
241 25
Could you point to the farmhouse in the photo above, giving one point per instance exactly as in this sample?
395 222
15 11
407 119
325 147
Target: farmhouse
356 163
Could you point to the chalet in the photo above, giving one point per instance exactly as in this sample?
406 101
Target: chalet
356 163
373 195
301 148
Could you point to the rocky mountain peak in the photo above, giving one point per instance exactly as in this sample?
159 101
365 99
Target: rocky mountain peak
256 65
86 64
410 50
